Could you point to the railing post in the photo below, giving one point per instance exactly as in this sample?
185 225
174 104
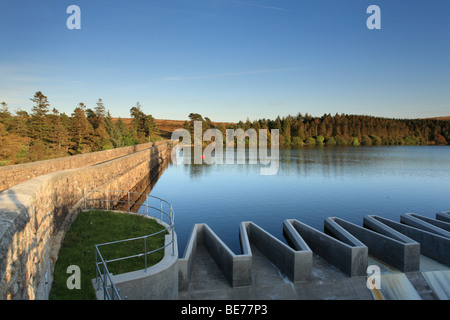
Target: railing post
96 269
107 200
129 209
146 204
112 290
173 235
145 252
161 210
105 283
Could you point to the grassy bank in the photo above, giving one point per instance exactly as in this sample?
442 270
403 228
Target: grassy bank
95 227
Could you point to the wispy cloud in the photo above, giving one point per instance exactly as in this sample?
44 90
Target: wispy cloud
230 74
258 5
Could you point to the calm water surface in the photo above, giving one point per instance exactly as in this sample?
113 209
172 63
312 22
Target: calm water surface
311 184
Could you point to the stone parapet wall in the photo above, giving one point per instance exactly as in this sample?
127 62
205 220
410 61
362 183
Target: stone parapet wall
16 174
35 214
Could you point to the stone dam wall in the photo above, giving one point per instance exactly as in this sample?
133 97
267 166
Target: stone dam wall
16 174
36 213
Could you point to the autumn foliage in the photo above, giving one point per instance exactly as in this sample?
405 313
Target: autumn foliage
45 134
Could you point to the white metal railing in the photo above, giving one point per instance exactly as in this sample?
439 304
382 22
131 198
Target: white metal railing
111 200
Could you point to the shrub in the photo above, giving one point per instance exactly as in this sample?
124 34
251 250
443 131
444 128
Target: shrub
331 142
310 141
319 140
297 142
366 141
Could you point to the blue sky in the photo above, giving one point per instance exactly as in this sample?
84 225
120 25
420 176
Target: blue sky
229 59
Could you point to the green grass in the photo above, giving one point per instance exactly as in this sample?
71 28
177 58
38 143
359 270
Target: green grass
95 227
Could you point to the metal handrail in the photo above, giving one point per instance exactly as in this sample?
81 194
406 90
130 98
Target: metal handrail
106 274
104 280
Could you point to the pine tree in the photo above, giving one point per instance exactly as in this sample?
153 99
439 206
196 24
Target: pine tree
59 135
138 120
109 123
5 116
101 138
41 104
82 131
119 134
91 117
150 127
100 114
19 125
39 124
286 131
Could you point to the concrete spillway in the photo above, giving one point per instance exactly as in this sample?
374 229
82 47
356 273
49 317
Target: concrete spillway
406 260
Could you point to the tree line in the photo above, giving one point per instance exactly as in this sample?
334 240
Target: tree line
44 134
340 130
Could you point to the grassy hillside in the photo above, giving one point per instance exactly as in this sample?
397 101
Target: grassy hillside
165 126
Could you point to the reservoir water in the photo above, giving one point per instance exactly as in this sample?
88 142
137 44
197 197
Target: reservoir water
311 184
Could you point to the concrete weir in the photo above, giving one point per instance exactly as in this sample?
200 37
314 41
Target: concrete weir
398 251
434 246
407 258
317 265
427 224
295 263
440 224
443 216
236 268
344 252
